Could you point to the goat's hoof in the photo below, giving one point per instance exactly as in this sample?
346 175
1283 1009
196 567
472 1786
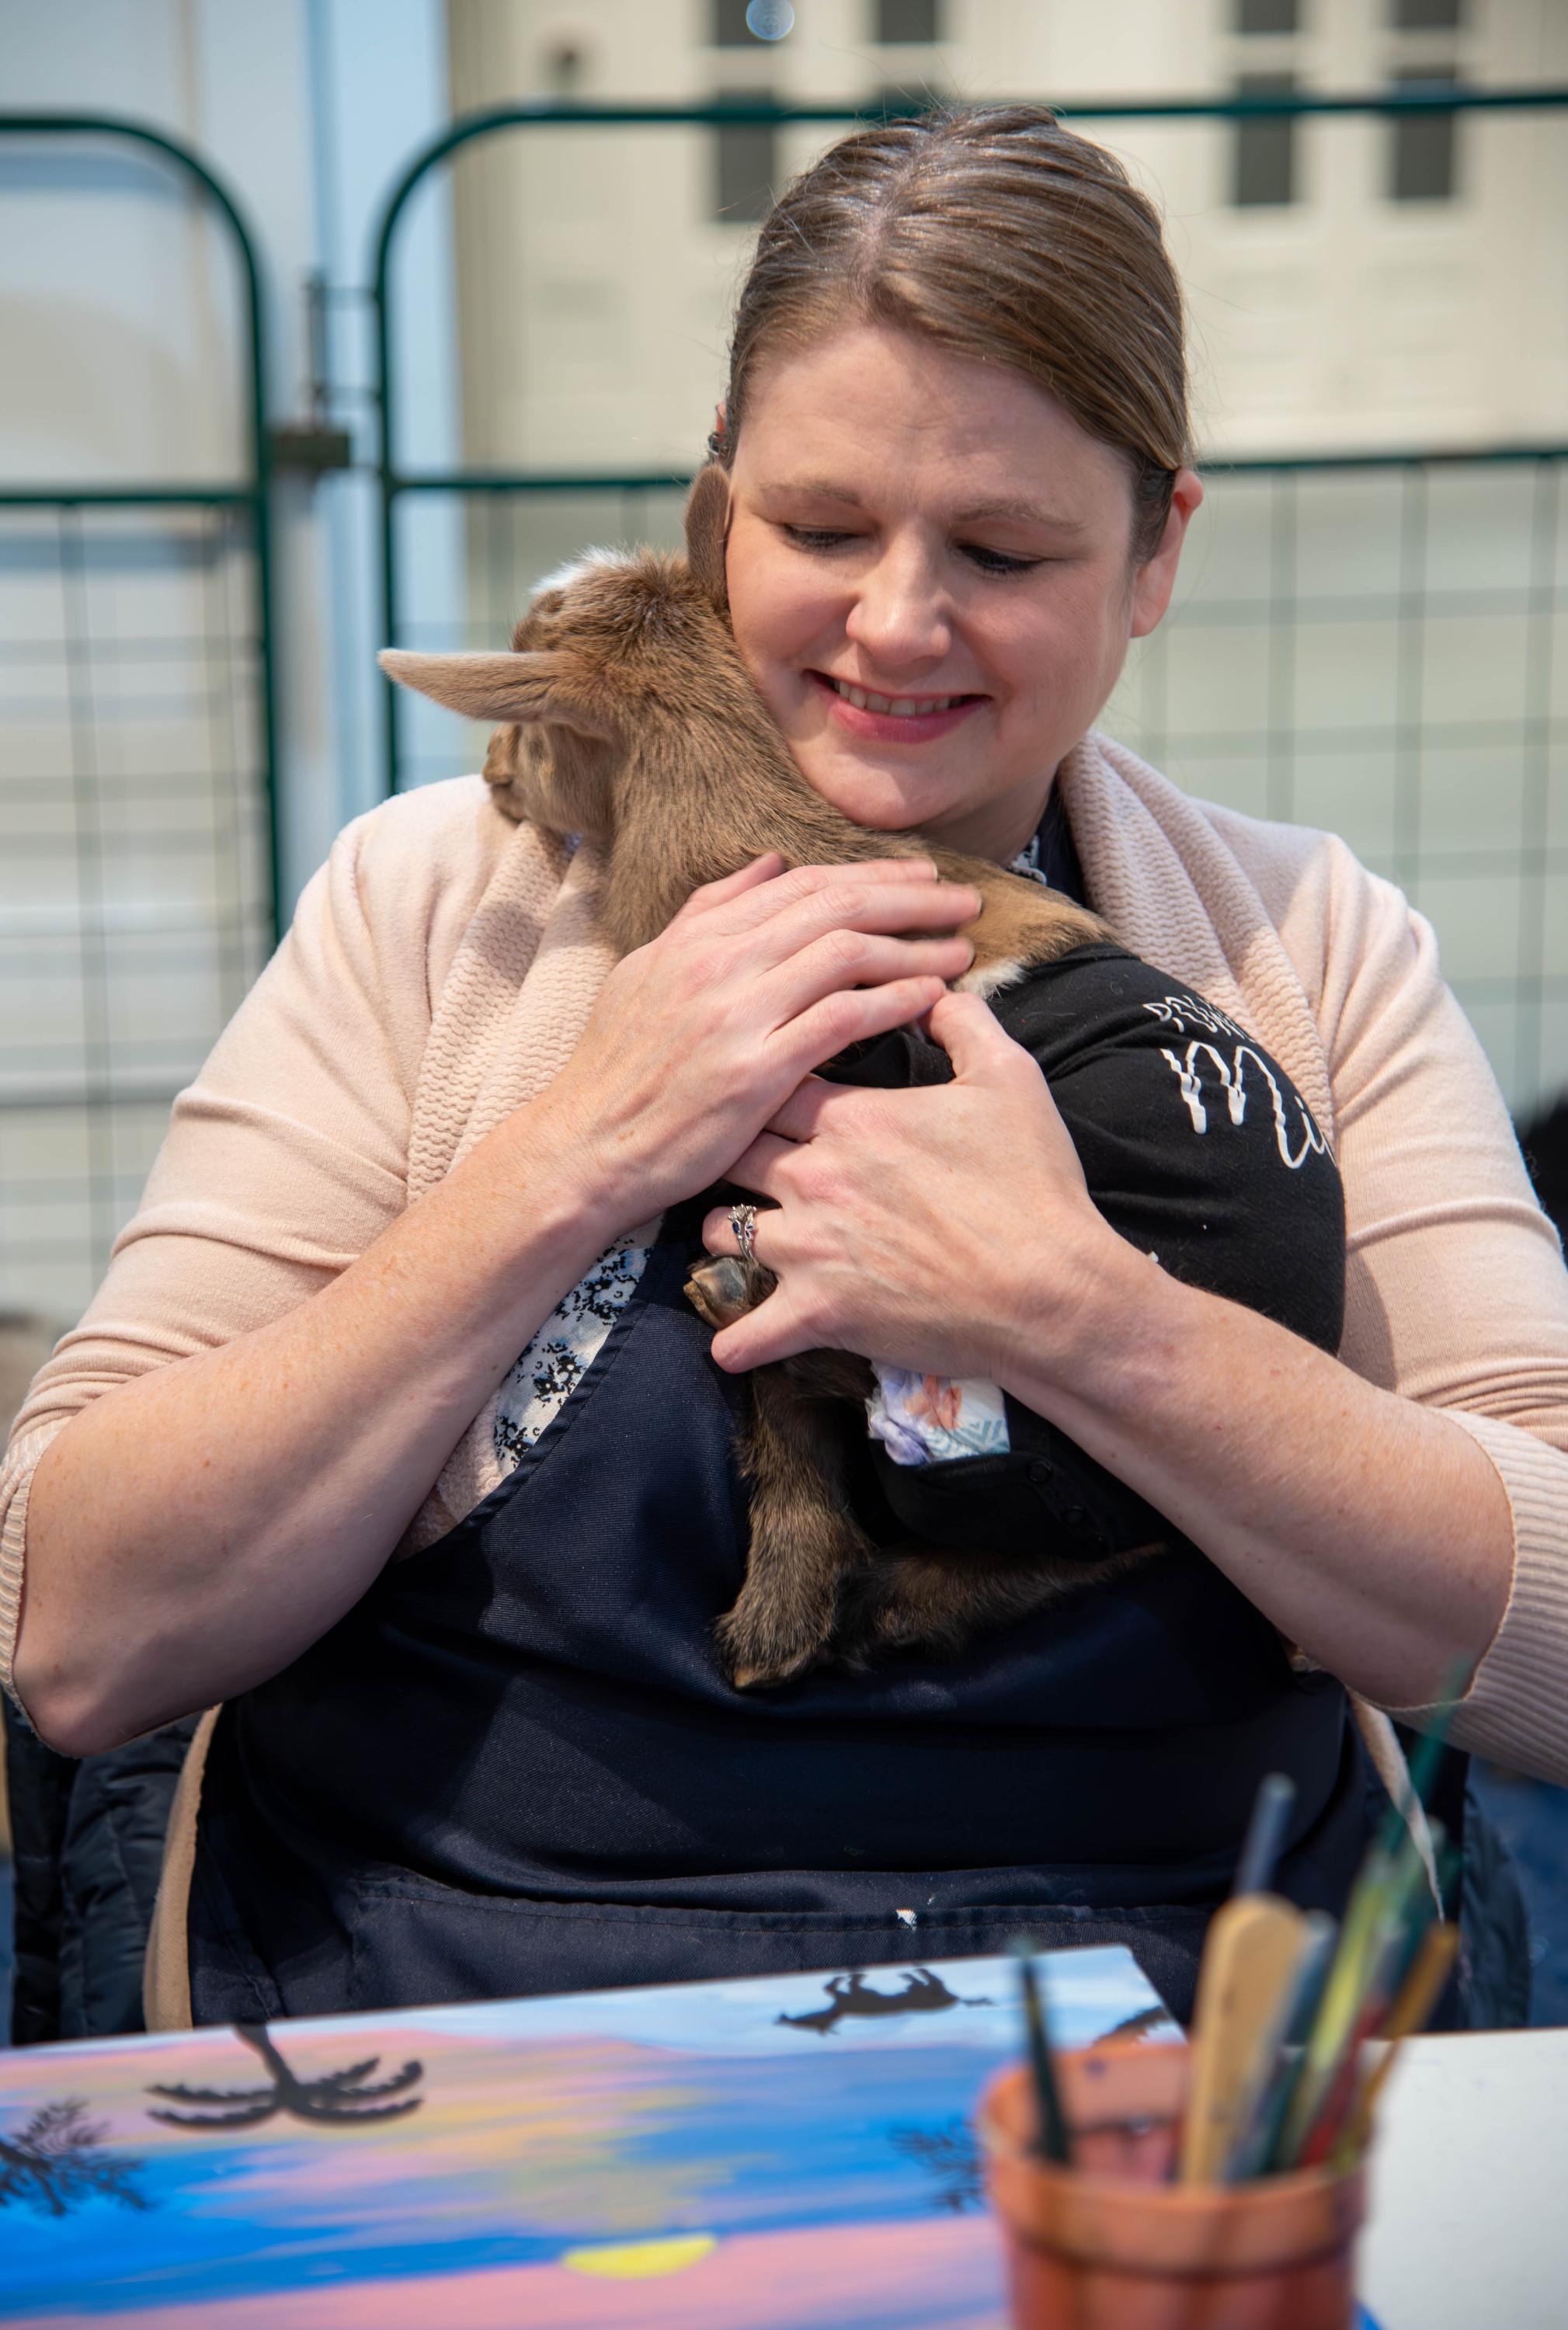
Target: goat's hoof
767 1674
760 1658
717 1290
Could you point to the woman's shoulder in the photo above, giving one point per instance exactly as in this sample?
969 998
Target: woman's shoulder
1331 911
412 871
1310 884
433 838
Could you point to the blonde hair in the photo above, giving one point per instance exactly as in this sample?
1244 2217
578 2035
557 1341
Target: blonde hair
997 233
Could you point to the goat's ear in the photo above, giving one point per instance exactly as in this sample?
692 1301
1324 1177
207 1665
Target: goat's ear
707 529
495 687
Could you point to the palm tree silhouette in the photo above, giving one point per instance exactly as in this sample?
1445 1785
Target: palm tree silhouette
54 2161
337 2098
952 2156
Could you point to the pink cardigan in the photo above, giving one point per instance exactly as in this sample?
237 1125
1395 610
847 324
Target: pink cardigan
440 969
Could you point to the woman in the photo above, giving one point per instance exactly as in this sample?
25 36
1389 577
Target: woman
957 436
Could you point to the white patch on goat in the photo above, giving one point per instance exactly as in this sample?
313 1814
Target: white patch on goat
587 561
990 980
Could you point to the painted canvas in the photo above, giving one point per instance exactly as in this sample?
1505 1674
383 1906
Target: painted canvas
766 2154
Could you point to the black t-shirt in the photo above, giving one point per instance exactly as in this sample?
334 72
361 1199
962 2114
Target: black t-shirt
1198 1149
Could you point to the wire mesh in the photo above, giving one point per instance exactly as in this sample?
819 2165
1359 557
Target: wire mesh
139 834
1381 650
135 893
1378 648
1371 644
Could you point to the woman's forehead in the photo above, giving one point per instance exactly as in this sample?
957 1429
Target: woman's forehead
871 409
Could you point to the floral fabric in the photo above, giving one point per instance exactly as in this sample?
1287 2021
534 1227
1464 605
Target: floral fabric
554 1363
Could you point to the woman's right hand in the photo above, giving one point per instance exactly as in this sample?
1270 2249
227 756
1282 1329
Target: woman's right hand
697 1037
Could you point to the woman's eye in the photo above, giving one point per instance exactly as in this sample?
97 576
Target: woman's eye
997 562
817 537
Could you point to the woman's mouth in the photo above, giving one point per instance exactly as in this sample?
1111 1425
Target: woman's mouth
891 719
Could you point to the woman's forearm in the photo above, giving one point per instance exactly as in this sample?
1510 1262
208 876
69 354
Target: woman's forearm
191 1532
1374 1532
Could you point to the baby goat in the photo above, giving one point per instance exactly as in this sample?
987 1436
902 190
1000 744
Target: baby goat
629 716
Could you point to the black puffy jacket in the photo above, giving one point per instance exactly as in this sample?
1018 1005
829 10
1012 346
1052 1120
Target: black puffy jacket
87 1837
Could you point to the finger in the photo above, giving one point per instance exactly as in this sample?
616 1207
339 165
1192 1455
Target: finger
852 1015
848 958
974 1039
756 1168
766 868
772 1331
812 898
843 916
801 1116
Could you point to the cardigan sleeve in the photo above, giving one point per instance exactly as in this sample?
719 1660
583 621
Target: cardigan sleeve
1457 1295
287 1156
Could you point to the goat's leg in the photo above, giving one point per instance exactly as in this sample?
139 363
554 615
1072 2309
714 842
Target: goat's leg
925 1598
805 1538
804 1534
1020 927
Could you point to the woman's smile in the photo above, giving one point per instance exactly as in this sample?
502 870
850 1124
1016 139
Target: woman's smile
893 719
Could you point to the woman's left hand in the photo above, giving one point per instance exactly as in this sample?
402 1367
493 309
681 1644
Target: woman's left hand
922 1228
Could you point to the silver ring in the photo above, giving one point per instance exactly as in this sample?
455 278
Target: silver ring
742 1228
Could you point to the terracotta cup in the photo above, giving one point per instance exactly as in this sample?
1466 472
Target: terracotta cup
1107 2244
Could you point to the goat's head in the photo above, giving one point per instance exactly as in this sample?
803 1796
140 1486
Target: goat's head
617 646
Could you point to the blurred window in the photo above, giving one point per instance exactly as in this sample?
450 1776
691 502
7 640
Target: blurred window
901 22
1263 169
1426 15
745 162
1267 15
1422 148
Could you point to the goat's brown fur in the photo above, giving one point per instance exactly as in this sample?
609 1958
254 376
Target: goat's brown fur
628 716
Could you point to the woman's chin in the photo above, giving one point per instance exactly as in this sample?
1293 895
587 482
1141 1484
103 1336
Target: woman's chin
881 799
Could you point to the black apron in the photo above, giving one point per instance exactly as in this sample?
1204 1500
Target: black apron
515 1766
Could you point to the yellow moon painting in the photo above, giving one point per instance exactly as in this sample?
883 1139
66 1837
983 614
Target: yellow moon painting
641 2260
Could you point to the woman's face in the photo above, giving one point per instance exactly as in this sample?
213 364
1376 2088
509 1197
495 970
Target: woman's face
930 580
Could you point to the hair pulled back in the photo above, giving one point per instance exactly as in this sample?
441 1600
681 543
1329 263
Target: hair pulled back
997 233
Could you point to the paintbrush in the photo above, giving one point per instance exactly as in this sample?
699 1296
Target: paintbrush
1411 2011
1245 1984
1054 2141
1261 2127
1382 1885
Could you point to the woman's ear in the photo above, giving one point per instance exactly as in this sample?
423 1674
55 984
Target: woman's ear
707 530
518 689
1155 580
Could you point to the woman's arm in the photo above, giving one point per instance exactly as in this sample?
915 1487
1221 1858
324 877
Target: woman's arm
192 1531
950 1229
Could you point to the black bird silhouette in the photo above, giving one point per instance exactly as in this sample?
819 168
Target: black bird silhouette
337 2098
850 1994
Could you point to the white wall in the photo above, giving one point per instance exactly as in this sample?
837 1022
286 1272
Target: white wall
595 285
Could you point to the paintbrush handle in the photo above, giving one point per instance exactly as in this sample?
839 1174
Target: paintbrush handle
1412 2011
1056 2142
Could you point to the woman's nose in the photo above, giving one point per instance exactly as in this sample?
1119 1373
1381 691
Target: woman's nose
901 616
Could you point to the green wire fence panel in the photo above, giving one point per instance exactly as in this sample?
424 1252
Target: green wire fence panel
137 794
1381 650
1374 644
